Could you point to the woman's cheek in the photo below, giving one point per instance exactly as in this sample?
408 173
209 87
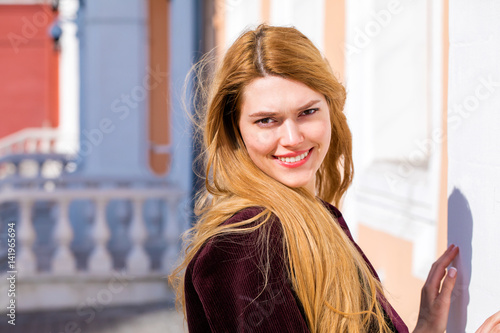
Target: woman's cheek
264 141
320 132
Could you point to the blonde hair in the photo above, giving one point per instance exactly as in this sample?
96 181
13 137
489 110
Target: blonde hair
333 282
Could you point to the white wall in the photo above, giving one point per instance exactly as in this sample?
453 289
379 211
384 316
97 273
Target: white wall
393 80
474 160
307 16
239 16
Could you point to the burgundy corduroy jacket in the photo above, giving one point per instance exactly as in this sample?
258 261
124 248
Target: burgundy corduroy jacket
223 284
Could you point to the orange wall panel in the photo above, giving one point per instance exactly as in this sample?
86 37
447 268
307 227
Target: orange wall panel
392 256
335 36
159 113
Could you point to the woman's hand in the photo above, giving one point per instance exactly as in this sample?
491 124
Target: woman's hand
491 325
435 303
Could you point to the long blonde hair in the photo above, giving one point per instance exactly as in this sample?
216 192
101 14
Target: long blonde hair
336 289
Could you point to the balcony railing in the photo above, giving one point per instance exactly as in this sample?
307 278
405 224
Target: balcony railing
30 141
99 269
54 271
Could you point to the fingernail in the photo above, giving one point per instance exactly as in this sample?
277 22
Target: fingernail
452 271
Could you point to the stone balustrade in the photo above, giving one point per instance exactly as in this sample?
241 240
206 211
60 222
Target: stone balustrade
147 284
30 141
100 259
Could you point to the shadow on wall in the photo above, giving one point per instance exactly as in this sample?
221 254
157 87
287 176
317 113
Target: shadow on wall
460 233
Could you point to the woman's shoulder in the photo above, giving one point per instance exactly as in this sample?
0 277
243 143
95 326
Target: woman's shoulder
333 210
237 246
338 216
233 278
244 214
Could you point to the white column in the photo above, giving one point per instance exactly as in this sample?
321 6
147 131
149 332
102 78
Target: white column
64 260
69 77
171 233
138 261
100 260
26 235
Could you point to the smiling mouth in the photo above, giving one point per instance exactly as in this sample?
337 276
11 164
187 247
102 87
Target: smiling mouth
294 159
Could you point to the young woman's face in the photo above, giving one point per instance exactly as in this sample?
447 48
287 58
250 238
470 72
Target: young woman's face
286 129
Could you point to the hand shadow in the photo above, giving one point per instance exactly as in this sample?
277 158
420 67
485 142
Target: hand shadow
460 223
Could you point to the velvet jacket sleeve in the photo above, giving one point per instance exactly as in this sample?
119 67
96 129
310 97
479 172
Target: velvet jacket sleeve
224 287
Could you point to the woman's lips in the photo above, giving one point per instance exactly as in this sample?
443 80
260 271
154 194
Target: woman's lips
294 161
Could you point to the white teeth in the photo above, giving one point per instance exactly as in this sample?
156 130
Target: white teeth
293 159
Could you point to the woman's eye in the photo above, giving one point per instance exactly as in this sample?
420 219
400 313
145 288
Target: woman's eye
265 121
309 111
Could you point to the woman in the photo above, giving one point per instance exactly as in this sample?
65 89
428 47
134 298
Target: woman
269 253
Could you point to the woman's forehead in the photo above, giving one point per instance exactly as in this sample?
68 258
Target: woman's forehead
273 93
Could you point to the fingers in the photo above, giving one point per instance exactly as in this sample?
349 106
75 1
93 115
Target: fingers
492 324
448 284
438 269
435 303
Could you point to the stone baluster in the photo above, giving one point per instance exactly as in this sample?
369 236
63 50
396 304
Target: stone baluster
138 261
26 236
29 146
100 260
171 233
64 261
12 169
44 144
18 147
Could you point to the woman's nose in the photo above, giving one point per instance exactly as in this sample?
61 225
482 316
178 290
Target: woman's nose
291 134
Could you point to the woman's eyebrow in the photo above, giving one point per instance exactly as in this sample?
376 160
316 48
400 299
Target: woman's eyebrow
263 114
266 114
309 104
